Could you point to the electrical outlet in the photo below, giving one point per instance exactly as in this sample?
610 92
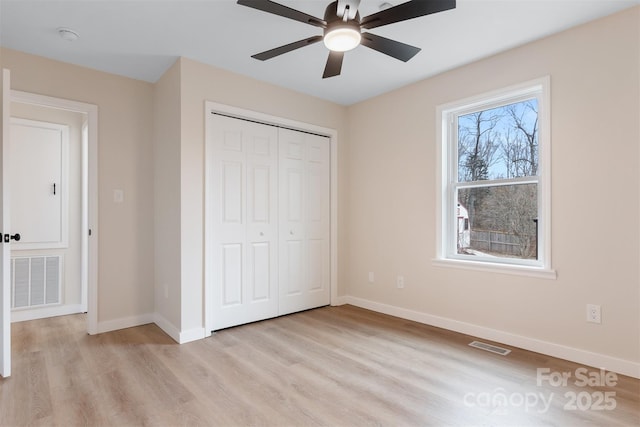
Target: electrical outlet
372 277
400 282
166 291
593 313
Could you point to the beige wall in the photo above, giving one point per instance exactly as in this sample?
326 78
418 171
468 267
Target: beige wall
200 83
595 110
125 276
166 157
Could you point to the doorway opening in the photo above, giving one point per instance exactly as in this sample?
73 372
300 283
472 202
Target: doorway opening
74 260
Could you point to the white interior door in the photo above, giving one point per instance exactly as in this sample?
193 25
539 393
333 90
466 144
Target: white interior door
5 294
39 153
243 159
304 199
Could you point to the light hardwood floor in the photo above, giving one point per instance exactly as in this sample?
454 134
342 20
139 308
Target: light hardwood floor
334 366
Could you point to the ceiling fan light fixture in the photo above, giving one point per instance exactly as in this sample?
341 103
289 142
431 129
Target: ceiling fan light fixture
342 38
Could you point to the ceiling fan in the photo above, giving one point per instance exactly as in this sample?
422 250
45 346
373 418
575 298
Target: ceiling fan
343 27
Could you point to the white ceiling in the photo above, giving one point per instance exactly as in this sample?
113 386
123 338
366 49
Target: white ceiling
142 38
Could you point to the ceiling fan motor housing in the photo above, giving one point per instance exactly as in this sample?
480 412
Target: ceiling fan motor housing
331 16
341 34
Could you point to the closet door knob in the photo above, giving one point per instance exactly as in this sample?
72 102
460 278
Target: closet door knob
291 232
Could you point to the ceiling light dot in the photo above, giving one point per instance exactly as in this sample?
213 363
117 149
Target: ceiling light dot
68 34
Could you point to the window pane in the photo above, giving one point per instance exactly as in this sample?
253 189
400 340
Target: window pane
498 221
499 143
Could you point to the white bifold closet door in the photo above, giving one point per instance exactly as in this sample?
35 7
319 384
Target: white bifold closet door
304 221
245 221
269 216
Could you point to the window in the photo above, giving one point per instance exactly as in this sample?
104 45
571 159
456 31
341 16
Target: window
494 207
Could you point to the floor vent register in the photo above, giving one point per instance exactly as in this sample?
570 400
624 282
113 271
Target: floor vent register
491 348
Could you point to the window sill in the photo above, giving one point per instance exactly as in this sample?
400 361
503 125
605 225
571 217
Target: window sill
517 270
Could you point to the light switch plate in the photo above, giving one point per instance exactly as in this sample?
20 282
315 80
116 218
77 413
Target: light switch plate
118 196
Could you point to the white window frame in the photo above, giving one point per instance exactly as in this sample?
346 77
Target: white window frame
447 164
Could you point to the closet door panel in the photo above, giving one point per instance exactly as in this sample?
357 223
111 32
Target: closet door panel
293 195
259 204
229 194
317 260
231 269
243 189
232 189
261 221
292 231
318 224
304 232
292 279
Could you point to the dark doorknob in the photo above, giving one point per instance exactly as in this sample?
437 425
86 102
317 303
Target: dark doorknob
8 237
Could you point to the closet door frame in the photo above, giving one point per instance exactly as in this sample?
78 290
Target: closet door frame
240 113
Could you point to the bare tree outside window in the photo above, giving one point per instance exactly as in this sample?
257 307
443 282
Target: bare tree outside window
497 151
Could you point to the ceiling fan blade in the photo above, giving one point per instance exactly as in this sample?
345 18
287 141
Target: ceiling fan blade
409 10
401 51
280 10
352 9
334 64
271 53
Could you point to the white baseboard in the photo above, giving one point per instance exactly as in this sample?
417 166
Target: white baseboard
167 327
181 337
44 312
191 335
584 357
125 322
342 300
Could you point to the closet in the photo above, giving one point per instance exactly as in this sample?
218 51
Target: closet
269 216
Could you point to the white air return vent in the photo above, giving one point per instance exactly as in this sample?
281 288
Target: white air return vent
492 348
35 281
